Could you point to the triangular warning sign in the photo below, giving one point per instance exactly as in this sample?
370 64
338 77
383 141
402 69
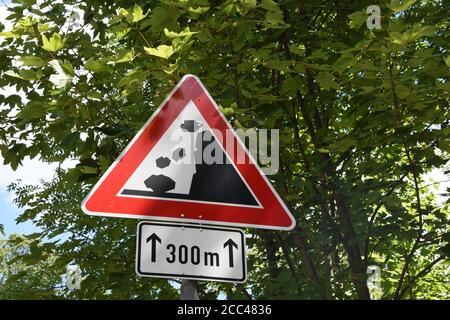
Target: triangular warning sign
187 164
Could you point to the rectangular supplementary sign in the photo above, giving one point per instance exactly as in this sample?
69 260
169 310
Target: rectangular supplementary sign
166 250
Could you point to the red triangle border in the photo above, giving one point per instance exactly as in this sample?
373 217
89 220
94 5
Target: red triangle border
104 201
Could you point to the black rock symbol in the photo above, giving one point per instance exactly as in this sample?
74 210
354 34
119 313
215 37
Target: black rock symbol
162 162
159 183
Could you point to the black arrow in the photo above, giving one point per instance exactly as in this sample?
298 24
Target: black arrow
230 244
153 238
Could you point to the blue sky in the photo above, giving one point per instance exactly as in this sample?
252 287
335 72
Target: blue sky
31 172
8 213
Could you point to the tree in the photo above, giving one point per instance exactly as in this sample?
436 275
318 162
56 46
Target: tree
25 273
363 117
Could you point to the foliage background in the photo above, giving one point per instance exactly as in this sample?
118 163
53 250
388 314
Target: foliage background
363 116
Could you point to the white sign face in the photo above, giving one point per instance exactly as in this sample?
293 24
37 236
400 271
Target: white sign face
166 250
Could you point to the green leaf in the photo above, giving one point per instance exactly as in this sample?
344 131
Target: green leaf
249 3
138 13
69 141
357 19
26 3
162 51
326 81
12 74
42 27
33 110
274 18
297 49
292 196
30 74
422 31
63 73
171 69
88 170
447 61
120 30
343 145
164 17
402 91
9 34
274 15
269 5
411 35
67 67
35 250
198 10
32 61
397 6
125 56
97 66
186 32
133 78
444 145
25 74
133 16
279 65
399 38
53 44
